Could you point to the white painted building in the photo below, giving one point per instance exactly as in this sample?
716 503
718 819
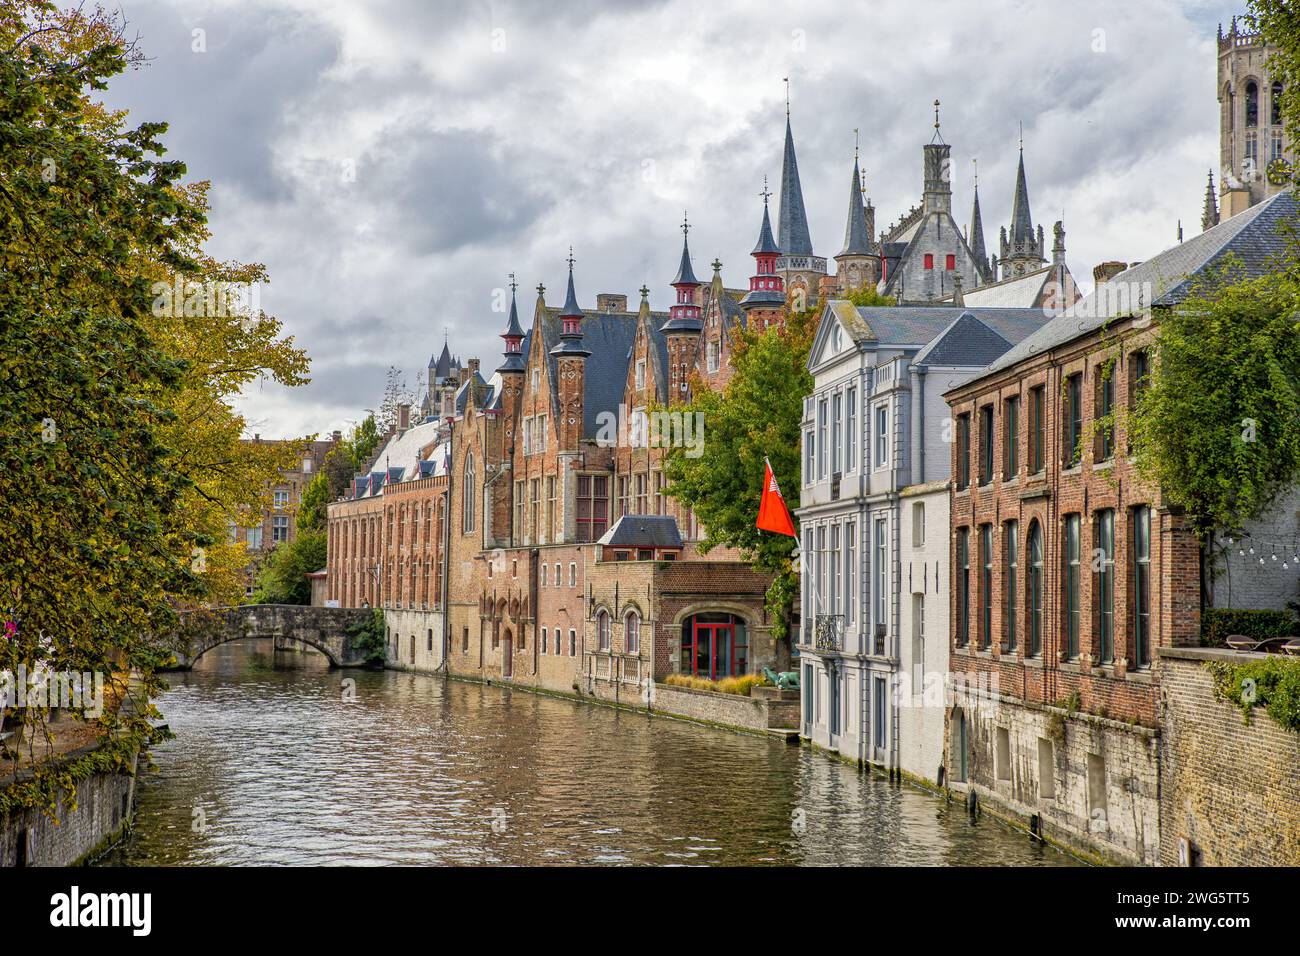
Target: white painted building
875 425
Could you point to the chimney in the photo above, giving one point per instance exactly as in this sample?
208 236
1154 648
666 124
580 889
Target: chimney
1107 271
403 416
473 366
611 302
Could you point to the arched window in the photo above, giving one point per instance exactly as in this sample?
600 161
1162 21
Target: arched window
602 630
1252 104
467 518
1275 108
1035 589
632 632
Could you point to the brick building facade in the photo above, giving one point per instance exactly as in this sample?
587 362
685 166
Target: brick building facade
1069 572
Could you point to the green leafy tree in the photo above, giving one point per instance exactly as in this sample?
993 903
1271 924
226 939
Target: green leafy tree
869 296
94 540
1218 426
282 577
756 416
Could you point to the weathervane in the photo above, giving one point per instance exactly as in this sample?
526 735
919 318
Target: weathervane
570 260
786 80
686 225
513 284
766 192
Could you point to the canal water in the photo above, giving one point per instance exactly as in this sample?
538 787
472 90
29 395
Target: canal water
274 764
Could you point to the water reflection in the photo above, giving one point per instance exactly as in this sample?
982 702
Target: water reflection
272 765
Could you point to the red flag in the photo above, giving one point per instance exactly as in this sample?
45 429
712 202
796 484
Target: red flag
772 512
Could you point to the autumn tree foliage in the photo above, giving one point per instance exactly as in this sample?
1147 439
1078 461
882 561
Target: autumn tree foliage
121 467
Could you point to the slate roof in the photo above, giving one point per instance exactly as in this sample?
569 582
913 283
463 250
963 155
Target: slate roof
400 457
609 337
1021 292
643 531
1253 236
918 326
792 221
965 343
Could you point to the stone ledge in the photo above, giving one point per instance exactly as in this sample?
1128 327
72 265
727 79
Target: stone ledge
1211 654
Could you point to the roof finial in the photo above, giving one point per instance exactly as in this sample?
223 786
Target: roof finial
936 114
786 79
513 284
645 292
766 192
717 265
686 225
976 163
855 144
541 290
1022 136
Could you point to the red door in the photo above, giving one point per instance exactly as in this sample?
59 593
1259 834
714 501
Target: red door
713 652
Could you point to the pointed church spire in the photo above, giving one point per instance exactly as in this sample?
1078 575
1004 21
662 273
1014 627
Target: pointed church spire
857 238
1022 225
976 236
1210 214
792 220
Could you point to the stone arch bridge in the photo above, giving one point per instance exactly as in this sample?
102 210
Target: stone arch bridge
324 628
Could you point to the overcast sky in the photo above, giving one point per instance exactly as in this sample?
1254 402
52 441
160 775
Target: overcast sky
392 160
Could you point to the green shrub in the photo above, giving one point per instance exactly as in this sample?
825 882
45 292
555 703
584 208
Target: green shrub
1271 682
1219 622
368 638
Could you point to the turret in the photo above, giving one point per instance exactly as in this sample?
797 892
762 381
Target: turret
514 337
765 300
570 366
1021 249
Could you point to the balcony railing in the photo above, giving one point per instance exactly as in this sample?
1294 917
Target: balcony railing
828 634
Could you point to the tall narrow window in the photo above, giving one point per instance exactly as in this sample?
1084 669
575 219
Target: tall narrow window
882 575
632 632
1105 567
986 445
837 413
1071 584
918 524
602 629
963 451
1252 104
1037 459
963 586
1011 437
550 511
467 496
882 436
534 510
810 459
1010 578
1275 108
1139 376
1035 589
851 429
834 596
1142 586
850 573
821 439
986 585
1072 415
1105 411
